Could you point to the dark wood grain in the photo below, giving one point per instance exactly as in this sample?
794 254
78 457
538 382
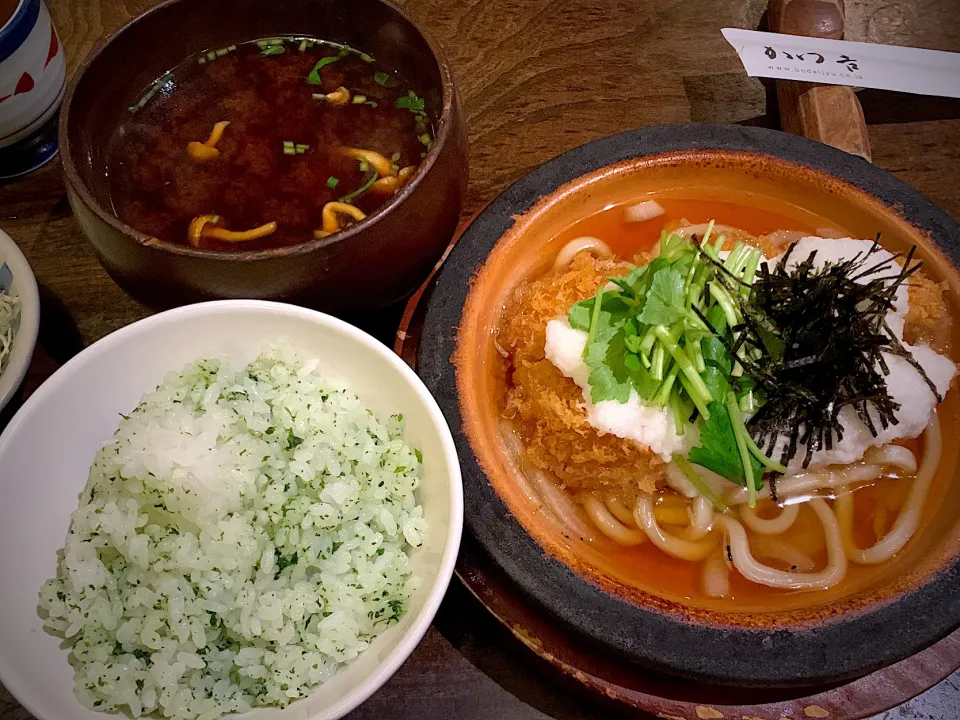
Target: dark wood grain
538 77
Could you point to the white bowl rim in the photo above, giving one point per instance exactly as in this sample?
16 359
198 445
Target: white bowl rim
387 667
25 340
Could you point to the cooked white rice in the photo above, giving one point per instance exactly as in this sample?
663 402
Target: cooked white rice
9 314
242 535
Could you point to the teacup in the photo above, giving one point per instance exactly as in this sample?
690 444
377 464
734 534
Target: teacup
32 75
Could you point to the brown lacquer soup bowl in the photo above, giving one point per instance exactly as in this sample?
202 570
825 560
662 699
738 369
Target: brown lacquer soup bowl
798 638
372 263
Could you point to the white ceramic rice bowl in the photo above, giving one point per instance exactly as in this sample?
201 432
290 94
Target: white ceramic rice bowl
47 449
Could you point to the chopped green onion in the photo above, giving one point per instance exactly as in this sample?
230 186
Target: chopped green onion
359 99
697 354
273 50
154 89
231 48
364 166
212 55
658 361
332 182
663 394
594 318
395 157
750 270
739 431
360 190
680 412
426 140
385 79
301 148
318 96
366 58
699 485
706 235
288 143
700 395
411 102
303 45
289 151
371 103
201 60
646 345
759 454
220 52
314 77
726 304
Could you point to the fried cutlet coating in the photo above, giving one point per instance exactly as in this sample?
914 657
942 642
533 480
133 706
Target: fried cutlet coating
928 320
548 406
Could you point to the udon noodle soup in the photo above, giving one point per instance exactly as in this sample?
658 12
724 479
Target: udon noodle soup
726 406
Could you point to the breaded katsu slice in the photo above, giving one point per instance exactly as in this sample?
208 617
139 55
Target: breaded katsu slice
548 406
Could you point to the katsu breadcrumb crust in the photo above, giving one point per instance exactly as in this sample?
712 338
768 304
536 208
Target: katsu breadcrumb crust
928 320
548 407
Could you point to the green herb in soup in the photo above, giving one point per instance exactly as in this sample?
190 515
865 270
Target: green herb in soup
264 144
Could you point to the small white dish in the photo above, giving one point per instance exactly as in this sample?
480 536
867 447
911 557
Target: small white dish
47 449
24 286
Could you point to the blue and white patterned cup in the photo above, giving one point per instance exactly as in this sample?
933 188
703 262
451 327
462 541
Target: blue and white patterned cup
32 75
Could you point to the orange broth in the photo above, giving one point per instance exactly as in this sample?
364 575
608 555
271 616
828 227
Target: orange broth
648 568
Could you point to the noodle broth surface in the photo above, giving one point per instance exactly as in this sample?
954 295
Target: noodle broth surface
877 503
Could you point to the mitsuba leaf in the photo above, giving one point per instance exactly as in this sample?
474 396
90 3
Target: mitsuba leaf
717 320
718 448
411 102
579 314
665 303
715 354
614 370
614 310
716 381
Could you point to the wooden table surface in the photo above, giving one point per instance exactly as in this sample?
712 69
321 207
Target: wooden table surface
537 77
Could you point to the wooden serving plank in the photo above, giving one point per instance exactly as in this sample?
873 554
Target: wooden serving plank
830 114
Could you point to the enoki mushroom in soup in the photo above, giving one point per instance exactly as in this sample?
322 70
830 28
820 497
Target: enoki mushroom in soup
739 412
268 143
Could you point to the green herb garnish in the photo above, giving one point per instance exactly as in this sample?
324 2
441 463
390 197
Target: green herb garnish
385 79
411 102
273 50
360 190
332 182
314 77
282 562
667 331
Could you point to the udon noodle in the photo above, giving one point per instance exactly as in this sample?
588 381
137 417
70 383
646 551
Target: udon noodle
803 529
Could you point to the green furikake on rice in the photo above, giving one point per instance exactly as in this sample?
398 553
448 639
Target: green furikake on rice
243 535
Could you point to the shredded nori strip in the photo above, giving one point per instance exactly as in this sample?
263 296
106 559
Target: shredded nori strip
821 336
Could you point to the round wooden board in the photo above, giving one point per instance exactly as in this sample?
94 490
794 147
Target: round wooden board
665 696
